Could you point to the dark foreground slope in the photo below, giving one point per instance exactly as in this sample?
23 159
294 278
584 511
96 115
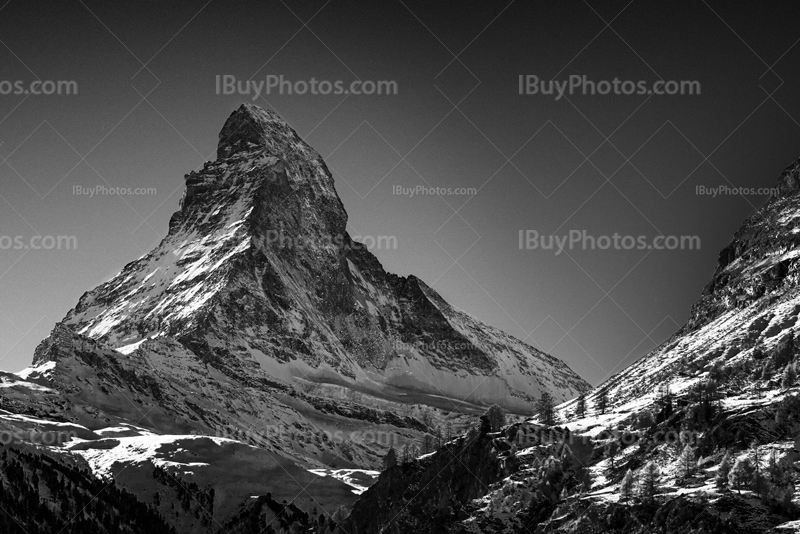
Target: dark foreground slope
46 493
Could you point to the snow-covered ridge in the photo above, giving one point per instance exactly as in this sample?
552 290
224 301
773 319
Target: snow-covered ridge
258 264
165 288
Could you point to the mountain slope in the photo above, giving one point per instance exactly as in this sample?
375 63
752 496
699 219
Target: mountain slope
723 388
52 493
258 271
747 313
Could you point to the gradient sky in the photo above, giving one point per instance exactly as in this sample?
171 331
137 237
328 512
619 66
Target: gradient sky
147 113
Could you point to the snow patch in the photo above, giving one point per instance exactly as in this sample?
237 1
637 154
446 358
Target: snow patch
355 478
39 369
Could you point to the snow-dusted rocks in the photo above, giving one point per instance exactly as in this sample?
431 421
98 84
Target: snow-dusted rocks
258 280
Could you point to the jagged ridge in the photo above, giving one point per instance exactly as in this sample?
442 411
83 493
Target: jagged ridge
258 268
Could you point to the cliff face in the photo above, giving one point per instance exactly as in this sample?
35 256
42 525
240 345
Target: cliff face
761 260
259 280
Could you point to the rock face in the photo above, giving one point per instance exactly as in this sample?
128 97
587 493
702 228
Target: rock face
259 278
762 258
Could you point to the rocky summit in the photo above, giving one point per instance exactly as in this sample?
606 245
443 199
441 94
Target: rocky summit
258 272
258 363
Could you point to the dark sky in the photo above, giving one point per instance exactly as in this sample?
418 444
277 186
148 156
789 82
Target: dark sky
147 113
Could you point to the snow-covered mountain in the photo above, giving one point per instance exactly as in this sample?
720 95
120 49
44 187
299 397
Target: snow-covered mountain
259 351
259 278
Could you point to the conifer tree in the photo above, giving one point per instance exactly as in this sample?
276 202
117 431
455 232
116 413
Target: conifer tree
580 406
485 425
610 452
774 469
686 463
741 474
758 482
390 460
405 454
426 444
789 377
601 401
626 487
723 471
497 417
438 437
648 483
545 409
665 399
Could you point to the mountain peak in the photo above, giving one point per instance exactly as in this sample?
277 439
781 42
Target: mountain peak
251 127
259 275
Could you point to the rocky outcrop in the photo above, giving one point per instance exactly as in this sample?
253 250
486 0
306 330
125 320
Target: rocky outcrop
789 182
445 492
428 495
761 260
